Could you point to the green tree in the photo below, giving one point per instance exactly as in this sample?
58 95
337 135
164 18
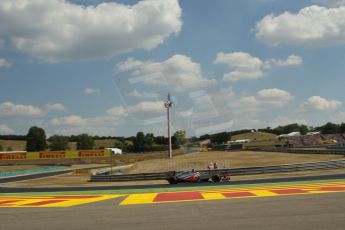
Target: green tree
180 136
303 129
149 141
58 142
1 148
138 142
142 142
204 137
121 144
161 140
36 139
220 138
329 128
342 128
85 142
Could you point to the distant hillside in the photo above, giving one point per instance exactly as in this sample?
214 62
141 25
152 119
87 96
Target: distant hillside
254 136
13 145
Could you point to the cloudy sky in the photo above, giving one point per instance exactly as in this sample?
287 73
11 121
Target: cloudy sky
105 66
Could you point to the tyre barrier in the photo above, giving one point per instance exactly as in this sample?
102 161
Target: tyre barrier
334 164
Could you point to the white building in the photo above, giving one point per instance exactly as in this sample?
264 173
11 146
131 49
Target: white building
115 151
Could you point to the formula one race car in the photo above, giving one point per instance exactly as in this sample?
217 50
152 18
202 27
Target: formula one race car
197 176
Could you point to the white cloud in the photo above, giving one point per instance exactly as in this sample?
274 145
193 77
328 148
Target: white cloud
243 110
311 26
146 106
245 66
91 130
75 120
58 30
20 110
282 120
264 100
55 107
320 103
290 61
237 75
179 73
5 63
118 111
332 2
274 97
113 116
91 91
137 94
238 60
69 120
4 129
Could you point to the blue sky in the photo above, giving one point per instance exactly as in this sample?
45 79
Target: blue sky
104 67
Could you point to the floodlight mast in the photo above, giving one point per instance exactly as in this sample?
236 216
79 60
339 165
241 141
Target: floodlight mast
168 105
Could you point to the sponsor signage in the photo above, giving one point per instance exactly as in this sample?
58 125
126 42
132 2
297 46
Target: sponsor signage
91 154
52 155
12 156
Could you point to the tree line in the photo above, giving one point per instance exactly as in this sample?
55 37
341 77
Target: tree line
328 128
37 140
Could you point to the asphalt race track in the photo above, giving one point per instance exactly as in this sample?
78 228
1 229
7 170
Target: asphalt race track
321 211
300 205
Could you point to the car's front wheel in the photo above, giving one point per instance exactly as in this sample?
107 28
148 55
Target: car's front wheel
172 180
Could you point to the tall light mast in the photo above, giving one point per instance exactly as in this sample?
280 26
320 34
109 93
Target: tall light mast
168 104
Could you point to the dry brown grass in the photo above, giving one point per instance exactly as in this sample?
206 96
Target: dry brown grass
107 143
189 161
226 160
138 157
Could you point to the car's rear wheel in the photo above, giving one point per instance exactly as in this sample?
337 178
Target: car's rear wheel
216 178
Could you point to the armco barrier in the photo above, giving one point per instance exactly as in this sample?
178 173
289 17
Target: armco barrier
234 171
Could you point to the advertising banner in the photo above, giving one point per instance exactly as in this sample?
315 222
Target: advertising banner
52 155
13 156
91 154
